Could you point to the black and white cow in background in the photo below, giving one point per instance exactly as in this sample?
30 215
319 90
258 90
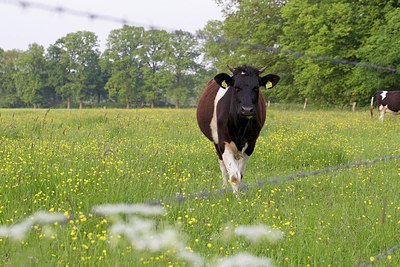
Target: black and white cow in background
387 101
230 113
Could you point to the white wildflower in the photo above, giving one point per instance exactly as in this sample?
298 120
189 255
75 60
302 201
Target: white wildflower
194 258
43 217
4 231
255 233
157 241
122 208
244 260
19 230
142 234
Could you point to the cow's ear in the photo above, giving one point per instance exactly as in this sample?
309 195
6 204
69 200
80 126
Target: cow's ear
269 80
224 80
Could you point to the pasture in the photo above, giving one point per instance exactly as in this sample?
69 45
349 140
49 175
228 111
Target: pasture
70 161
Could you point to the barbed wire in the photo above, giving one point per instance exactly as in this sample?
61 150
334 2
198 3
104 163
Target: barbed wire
181 197
73 12
272 49
318 57
379 256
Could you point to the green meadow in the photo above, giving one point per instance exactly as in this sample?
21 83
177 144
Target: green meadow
68 162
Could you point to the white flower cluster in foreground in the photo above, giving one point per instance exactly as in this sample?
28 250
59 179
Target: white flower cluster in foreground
141 231
142 234
129 220
256 233
19 230
122 208
245 260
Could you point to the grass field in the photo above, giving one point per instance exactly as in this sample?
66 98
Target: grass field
73 162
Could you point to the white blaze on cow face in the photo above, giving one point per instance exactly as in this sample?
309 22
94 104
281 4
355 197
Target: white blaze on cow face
213 124
235 162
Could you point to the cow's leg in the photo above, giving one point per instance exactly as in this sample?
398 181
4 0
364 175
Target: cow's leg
224 173
242 163
382 110
231 163
244 156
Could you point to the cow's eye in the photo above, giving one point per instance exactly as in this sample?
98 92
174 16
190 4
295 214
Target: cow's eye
256 88
237 89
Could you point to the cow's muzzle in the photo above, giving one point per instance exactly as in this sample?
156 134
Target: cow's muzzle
247 112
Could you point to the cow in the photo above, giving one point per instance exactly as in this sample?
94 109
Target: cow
387 101
231 112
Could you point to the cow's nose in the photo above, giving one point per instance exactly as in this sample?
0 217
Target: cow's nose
247 111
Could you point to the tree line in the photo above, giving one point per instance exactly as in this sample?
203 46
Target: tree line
315 37
138 67
330 52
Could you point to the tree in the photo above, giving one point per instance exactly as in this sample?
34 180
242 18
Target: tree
214 44
317 33
123 56
77 52
156 78
182 65
381 48
249 35
246 36
31 77
8 70
59 75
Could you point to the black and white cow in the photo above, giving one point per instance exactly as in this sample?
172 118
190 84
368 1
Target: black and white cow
387 101
231 112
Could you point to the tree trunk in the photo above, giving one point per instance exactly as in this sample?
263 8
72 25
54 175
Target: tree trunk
69 103
177 104
80 104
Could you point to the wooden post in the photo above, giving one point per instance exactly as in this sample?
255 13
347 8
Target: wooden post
353 101
353 106
305 103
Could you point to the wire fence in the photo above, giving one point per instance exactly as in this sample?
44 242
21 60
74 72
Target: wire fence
181 197
379 256
73 12
108 18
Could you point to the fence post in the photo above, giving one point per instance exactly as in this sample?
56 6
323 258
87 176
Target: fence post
353 106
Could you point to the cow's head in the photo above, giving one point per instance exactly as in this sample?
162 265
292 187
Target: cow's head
245 84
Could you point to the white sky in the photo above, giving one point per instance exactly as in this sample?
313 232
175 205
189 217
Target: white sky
23 26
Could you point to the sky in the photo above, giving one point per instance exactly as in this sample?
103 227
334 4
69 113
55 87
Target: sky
35 23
